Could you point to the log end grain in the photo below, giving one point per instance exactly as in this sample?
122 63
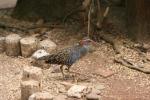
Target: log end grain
12 42
28 46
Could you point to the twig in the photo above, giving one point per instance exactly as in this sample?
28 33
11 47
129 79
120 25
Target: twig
98 15
4 26
89 21
106 12
130 65
26 30
45 26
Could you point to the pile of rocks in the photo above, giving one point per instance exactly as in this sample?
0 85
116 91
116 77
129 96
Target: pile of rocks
31 88
31 85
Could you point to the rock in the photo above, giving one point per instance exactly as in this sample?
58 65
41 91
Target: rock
28 46
67 85
12 44
41 96
33 73
99 86
39 63
7 4
2 44
47 45
60 97
104 72
96 91
39 53
77 91
92 96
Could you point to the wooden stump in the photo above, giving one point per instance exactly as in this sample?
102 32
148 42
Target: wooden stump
2 44
28 46
41 96
28 88
47 45
13 45
32 73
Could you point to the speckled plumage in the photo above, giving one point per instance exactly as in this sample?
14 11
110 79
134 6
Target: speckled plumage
67 56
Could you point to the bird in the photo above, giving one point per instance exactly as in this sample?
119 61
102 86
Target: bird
69 55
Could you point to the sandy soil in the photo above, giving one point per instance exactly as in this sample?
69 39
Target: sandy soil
125 84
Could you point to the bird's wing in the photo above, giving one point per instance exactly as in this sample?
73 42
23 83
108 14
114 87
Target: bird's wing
59 57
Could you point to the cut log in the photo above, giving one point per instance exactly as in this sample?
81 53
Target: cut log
47 45
28 88
32 73
2 44
28 46
41 96
13 45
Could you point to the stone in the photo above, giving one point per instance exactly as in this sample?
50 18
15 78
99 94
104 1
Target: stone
60 97
104 72
39 53
41 96
39 63
77 91
2 44
93 96
96 91
99 86
67 85
32 73
12 44
28 46
28 88
47 45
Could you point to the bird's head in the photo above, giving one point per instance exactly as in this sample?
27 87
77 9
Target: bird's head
87 42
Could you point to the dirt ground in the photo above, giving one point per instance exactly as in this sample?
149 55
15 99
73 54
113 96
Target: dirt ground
124 84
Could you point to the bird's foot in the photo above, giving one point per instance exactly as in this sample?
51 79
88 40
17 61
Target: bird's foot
69 76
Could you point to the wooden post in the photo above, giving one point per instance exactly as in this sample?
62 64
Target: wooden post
13 45
2 44
32 73
28 88
28 46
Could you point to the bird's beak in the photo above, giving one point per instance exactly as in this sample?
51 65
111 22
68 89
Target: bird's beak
95 43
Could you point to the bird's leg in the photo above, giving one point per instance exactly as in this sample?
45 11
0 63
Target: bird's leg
68 69
71 74
62 71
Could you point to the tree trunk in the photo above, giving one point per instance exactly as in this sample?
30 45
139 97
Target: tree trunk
138 12
45 9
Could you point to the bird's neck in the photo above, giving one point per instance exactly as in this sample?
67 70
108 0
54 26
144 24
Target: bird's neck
84 49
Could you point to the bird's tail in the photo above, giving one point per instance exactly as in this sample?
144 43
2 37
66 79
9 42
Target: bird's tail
43 57
50 59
